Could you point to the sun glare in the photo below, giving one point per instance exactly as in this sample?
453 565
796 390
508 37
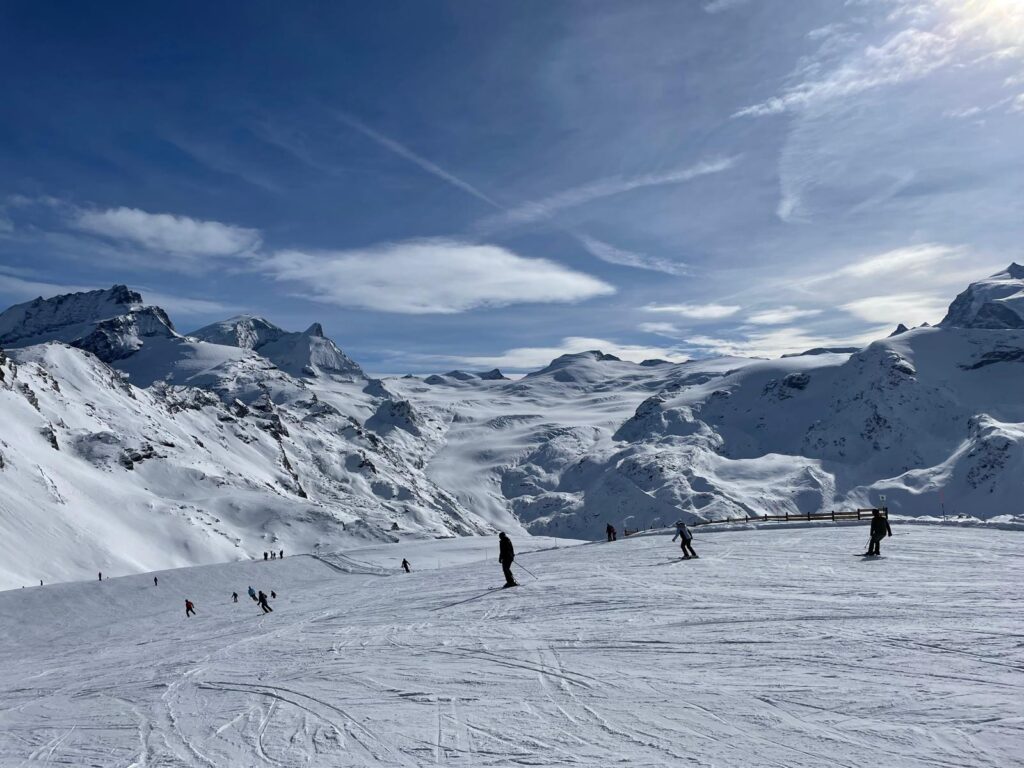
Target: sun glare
999 22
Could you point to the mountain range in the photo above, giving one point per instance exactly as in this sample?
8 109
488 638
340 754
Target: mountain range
127 445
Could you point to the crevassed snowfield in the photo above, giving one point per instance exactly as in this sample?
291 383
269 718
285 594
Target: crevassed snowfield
776 648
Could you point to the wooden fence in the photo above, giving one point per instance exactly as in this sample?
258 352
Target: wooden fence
833 516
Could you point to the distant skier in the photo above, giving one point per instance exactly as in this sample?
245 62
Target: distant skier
405 565
263 603
879 530
610 531
273 595
234 597
281 555
155 582
273 555
101 575
683 533
252 593
266 555
190 610
505 556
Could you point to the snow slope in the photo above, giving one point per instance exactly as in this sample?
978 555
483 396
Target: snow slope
618 655
99 475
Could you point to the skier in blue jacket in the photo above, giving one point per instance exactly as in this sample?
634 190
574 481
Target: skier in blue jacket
683 533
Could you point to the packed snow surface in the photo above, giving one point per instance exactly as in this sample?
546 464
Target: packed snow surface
777 647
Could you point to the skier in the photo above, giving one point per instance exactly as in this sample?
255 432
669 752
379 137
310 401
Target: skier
234 597
273 555
505 556
266 555
101 575
273 595
405 564
610 530
155 582
683 533
281 556
252 593
190 610
263 603
879 530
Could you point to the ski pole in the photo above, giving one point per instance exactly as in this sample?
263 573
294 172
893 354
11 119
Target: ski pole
527 570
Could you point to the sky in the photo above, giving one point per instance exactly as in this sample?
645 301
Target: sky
480 184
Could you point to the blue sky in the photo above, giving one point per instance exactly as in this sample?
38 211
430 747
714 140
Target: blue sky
488 183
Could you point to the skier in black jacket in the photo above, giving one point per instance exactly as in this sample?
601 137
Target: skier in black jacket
505 556
879 530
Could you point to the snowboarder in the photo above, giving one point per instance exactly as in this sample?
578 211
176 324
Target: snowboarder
155 582
505 556
252 593
234 597
610 530
263 603
683 533
266 555
405 565
190 610
879 530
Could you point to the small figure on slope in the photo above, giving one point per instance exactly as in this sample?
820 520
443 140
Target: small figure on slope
266 555
280 555
879 530
273 595
263 602
190 610
252 593
405 565
610 530
506 554
156 583
234 597
683 533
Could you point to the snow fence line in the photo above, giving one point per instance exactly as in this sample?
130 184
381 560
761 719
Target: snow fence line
1002 523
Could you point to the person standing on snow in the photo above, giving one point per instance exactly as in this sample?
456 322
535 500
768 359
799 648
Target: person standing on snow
683 533
266 555
610 530
190 610
234 597
879 530
263 603
280 555
155 582
405 565
252 593
505 556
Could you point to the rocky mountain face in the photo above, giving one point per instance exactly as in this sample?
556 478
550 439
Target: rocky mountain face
127 446
996 302
307 353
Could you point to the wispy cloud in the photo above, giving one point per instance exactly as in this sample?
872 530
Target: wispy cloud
429 277
720 6
908 308
167 233
548 207
418 160
781 315
614 255
907 55
778 342
696 311
913 259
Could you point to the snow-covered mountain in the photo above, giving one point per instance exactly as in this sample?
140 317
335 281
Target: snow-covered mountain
996 302
308 353
127 446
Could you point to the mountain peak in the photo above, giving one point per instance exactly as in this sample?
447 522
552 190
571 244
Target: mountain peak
995 303
315 330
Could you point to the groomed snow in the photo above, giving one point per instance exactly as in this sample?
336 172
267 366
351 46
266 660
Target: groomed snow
777 648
